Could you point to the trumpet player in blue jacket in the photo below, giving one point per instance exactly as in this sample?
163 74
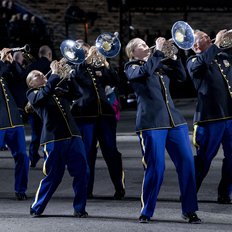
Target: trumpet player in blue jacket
211 72
60 139
159 125
96 119
12 130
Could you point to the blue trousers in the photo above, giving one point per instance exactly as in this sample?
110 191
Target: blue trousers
70 152
153 144
207 138
15 140
102 129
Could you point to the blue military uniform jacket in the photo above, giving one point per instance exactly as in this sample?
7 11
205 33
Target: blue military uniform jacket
16 80
54 110
92 100
10 116
211 73
150 82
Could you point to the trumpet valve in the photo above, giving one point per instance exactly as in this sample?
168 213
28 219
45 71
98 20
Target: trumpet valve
226 40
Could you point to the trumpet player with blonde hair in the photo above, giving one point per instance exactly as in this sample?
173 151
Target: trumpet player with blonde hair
211 72
160 126
61 142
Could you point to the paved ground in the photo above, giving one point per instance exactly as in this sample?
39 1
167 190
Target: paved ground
106 214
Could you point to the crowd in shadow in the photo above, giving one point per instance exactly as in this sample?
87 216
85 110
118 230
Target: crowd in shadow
18 27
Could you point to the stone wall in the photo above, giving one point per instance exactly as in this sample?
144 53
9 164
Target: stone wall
53 12
146 25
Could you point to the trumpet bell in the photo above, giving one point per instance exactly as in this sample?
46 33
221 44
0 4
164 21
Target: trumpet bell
108 44
72 51
26 48
183 35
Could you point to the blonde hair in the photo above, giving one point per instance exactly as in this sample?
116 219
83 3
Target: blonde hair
30 76
130 47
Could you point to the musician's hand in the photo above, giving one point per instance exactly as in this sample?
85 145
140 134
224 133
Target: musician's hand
54 66
6 55
159 43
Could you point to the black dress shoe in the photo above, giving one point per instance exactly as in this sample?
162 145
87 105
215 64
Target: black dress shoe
144 219
119 194
4 148
33 213
21 196
223 200
80 214
191 218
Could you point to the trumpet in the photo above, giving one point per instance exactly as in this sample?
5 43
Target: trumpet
72 52
108 44
95 58
226 41
65 70
182 36
4 53
29 108
169 49
26 48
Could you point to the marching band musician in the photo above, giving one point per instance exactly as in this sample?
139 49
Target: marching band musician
12 129
211 72
60 139
41 64
96 119
17 82
159 125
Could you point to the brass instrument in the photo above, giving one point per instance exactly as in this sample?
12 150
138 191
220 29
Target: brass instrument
65 70
72 53
25 48
29 108
95 58
226 41
182 37
108 44
169 49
